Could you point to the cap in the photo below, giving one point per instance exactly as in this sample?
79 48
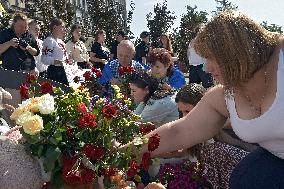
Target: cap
122 33
144 34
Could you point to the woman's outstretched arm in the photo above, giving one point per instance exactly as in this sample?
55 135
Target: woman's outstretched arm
201 124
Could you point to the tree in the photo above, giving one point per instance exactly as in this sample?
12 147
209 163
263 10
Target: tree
4 18
160 22
223 5
129 20
46 10
186 32
106 15
272 27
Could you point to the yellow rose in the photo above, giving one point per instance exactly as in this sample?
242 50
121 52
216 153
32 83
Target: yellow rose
34 104
33 125
17 113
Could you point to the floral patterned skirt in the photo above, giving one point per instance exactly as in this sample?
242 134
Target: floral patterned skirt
219 160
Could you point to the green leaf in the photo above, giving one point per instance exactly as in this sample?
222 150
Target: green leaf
58 136
51 156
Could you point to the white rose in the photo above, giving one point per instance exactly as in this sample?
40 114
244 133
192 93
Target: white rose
46 105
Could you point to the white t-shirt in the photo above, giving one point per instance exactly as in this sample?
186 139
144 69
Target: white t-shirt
193 58
39 65
54 49
268 129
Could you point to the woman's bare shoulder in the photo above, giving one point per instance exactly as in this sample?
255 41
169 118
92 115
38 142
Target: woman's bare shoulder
215 96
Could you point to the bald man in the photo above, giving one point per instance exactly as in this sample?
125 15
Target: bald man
125 55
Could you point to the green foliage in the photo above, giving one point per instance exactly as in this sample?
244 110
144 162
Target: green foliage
106 16
272 27
185 33
160 22
129 20
45 11
223 5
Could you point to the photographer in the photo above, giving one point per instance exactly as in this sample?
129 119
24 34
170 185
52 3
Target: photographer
17 46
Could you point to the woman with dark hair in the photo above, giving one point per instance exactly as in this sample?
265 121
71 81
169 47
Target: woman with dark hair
162 67
154 105
76 47
99 53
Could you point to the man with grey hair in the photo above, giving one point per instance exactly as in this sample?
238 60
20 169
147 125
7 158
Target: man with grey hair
125 55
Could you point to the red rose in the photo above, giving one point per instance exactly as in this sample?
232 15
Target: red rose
69 175
110 111
31 78
46 87
146 128
94 70
146 161
87 120
87 175
110 172
99 73
24 91
133 168
93 152
129 69
82 108
88 75
153 142
76 79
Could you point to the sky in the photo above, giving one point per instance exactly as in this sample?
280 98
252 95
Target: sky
259 10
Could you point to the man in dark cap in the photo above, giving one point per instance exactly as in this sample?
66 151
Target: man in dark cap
113 49
142 49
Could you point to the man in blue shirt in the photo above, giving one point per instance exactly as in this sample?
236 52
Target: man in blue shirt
125 54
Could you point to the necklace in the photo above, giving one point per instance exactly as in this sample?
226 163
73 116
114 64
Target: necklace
254 107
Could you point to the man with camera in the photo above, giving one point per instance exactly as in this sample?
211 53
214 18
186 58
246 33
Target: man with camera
17 46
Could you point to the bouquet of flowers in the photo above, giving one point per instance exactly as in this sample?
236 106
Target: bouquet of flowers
124 73
183 175
74 134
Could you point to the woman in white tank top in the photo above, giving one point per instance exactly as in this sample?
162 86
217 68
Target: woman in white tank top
248 61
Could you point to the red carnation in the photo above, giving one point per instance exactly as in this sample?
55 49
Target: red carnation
129 69
93 152
146 161
110 111
132 171
88 75
46 87
153 142
87 120
24 91
146 128
31 78
82 108
87 175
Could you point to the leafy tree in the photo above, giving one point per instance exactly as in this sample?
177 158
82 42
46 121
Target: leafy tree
223 5
129 20
106 15
160 22
186 32
272 27
46 10
4 18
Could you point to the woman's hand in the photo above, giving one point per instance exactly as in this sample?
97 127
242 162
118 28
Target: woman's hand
15 135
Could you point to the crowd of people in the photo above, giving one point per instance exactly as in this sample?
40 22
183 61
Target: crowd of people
229 114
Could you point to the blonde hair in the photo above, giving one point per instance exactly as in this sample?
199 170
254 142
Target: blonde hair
239 45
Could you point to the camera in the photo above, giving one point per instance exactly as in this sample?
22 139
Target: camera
23 43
